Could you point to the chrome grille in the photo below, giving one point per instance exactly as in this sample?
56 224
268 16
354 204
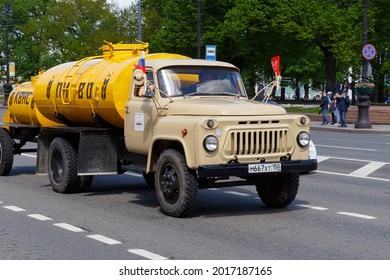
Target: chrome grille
258 142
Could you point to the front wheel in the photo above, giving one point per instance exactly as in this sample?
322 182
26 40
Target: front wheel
176 184
6 152
278 191
63 166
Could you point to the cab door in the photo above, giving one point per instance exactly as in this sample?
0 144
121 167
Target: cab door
140 116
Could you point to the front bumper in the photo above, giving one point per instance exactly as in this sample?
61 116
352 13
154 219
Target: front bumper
238 170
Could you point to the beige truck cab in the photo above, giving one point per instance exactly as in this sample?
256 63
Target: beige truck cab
196 127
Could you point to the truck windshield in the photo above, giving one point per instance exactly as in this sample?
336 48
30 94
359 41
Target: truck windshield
187 81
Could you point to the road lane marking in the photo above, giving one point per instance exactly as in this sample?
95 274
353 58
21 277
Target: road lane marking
237 193
69 227
130 173
357 215
322 158
40 217
354 159
14 208
348 175
312 207
367 169
347 148
28 155
104 239
146 254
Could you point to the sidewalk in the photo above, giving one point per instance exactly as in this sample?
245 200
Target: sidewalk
376 129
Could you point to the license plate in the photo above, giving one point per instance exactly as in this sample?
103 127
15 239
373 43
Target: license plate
264 168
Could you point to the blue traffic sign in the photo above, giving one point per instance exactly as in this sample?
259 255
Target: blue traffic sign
369 52
211 52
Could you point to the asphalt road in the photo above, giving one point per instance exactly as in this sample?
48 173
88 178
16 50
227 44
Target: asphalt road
341 212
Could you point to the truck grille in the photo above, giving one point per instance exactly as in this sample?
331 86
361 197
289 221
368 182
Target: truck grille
255 142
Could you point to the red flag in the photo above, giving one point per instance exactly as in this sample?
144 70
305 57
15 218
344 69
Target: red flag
275 62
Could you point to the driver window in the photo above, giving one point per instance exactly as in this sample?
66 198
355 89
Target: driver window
140 91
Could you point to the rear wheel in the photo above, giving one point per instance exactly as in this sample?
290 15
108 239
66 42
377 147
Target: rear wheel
176 184
63 166
6 152
278 191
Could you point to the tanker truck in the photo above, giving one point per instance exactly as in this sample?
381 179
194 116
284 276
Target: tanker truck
185 124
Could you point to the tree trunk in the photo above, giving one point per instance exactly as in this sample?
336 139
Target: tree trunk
330 67
306 88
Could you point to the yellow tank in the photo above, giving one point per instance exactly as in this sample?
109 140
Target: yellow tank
22 109
90 92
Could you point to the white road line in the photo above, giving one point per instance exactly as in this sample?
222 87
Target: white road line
322 158
237 193
28 155
367 169
1 202
357 215
348 175
346 148
39 217
355 159
311 207
14 208
129 173
69 227
104 239
212 189
146 254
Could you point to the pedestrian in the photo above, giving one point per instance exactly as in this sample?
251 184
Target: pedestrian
324 108
388 97
332 107
336 112
353 91
343 104
336 88
297 92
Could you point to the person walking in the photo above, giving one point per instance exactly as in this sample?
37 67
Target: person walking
332 107
336 111
324 108
343 104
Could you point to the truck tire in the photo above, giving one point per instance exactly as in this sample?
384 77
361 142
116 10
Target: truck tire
84 183
278 191
176 184
6 152
63 166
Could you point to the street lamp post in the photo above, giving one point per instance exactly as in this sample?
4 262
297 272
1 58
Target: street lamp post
363 103
199 31
7 11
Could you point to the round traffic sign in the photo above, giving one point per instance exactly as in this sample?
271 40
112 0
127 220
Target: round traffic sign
369 51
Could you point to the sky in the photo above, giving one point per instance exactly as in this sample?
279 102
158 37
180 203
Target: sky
122 3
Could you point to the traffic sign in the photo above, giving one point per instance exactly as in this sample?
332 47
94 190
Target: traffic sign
369 52
211 52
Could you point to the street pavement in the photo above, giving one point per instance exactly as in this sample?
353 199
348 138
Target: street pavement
376 129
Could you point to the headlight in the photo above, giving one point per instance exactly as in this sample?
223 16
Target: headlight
303 138
210 143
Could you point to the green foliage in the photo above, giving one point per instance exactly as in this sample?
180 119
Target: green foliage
317 40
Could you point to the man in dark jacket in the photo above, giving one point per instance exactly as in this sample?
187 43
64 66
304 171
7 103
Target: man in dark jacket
342 105
324 108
